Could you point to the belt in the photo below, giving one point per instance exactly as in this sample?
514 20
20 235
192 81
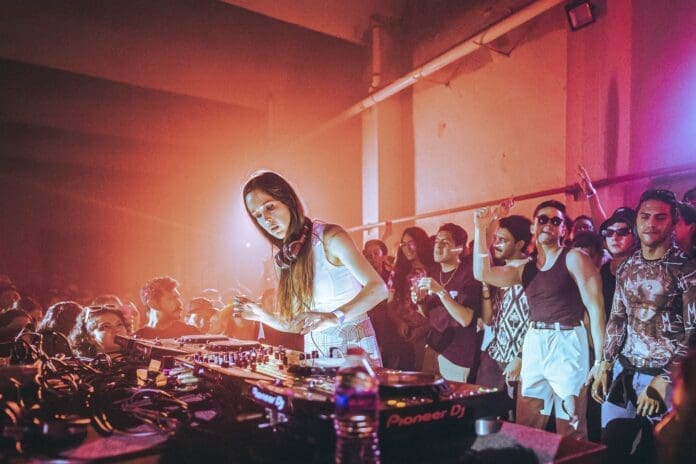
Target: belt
640 365
552 325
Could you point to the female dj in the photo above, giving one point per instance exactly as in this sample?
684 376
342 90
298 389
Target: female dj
325 285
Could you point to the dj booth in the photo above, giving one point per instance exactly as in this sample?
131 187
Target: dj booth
209 398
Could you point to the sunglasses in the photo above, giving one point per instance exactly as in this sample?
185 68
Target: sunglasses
622 232
99 308
544 219
666 196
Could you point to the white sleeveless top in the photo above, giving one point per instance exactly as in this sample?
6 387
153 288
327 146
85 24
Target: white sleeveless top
333 286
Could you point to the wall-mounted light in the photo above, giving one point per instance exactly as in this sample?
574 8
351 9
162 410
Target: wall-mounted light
580 14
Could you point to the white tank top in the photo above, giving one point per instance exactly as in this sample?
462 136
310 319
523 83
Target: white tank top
333 285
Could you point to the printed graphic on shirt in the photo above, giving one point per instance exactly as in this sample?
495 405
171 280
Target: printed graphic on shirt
650 318
510 324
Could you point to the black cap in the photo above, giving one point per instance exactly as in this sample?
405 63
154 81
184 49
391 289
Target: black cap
687 212
624 214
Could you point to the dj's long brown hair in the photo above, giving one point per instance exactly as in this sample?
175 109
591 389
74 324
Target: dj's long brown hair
294 293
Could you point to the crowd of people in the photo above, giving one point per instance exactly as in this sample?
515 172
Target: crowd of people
588 321
73 329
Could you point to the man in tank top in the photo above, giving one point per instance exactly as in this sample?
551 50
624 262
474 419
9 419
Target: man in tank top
560 284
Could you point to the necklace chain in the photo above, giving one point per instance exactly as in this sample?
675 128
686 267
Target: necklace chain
444 284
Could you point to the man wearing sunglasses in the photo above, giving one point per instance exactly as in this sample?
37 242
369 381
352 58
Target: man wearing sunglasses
653 314
621 243
560 284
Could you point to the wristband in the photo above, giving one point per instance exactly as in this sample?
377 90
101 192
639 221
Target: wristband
442 293
483 255
340 315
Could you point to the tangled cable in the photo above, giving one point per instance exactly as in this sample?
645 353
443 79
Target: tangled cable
102 390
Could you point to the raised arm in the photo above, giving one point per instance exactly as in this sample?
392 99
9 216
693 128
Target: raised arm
499 212
498 276
596 209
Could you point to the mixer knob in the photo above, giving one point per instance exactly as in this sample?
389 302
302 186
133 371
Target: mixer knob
302 356
315 354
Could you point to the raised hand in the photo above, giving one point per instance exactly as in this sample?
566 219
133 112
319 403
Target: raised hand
584 181
483 217
503 209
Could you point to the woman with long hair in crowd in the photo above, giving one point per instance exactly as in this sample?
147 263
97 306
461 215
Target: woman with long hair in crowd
405 348
56 325
325 285
96 329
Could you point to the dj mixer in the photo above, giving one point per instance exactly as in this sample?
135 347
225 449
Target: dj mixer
299 387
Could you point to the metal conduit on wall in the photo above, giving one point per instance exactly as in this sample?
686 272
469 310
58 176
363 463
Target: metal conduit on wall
572 189
468 46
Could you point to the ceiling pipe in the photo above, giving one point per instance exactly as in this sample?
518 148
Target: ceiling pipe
465 48
376 56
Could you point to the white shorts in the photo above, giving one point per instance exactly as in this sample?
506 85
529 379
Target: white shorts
555 364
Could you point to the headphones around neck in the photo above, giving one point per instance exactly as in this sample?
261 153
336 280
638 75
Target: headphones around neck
290 251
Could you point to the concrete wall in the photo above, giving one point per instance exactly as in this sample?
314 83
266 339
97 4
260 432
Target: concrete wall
617 96
492 125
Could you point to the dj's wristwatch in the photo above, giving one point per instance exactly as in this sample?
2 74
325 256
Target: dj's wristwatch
340 315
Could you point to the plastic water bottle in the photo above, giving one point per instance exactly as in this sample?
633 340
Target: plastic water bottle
357 410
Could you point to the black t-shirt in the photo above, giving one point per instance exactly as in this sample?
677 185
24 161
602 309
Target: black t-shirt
173 330
447 336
